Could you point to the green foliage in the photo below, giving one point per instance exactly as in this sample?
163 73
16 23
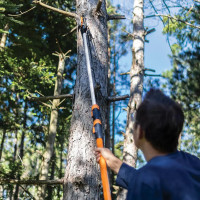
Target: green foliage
27 67
184 78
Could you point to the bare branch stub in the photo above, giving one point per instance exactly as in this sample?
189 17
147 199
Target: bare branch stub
149 31
118 98
116 17
99 5
125 73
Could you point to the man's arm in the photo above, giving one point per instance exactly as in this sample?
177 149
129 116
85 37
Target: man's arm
124 171
112 161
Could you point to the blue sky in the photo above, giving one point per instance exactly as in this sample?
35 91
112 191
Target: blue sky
156 55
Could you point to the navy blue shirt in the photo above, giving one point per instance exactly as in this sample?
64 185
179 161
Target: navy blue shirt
175 176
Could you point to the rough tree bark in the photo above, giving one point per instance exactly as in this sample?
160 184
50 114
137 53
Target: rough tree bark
52 127
82 173
136 87
107 130
2 142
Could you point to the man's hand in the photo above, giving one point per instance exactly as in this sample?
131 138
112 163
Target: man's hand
113 162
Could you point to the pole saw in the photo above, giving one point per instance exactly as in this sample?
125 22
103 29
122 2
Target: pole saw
97 125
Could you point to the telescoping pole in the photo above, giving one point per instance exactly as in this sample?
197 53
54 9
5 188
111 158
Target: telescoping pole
97 125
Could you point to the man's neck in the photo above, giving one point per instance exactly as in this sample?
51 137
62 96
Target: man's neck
149 152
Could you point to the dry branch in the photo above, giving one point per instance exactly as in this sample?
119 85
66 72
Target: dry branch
68 14
125 73
51 97
99 5
22 13
116 17
31 182
111 99
118 98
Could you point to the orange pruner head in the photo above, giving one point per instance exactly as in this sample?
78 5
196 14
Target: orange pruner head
81 21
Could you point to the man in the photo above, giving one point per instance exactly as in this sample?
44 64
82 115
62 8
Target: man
169 174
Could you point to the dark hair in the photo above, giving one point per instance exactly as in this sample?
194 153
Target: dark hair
161 119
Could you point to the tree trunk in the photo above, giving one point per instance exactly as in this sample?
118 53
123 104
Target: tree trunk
4 38
82 173
2 142
53 165
136 87
52 128
107 130
60 169
21 151
113 108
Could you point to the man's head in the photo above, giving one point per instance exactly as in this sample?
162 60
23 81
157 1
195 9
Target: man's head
161 120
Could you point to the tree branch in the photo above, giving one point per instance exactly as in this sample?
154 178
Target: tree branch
25 190
116 17
22 13
70 96
70 31
118 98
99 5
68 14
177 19
51 97
125 73
156 75
31 182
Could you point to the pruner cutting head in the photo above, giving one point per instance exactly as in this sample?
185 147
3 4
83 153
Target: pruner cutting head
83 25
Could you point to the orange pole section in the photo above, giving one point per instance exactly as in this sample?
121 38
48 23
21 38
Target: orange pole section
104 174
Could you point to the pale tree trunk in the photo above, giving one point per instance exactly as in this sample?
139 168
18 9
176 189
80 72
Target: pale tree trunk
2 142
4 37
136 87
21 150
52 128
82 175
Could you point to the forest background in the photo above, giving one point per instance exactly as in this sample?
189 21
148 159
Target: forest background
38 58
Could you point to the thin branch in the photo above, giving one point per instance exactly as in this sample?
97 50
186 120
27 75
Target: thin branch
60 102
68 14
125 73
166 5
70 31
162 22
70 96
59 48
31 96
63 96
25 190
118 98
150 31
116 17
179 20
197 1
31 182
99 5
148 69
22 13
156 75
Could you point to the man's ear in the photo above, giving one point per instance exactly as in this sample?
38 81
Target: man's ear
141 132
